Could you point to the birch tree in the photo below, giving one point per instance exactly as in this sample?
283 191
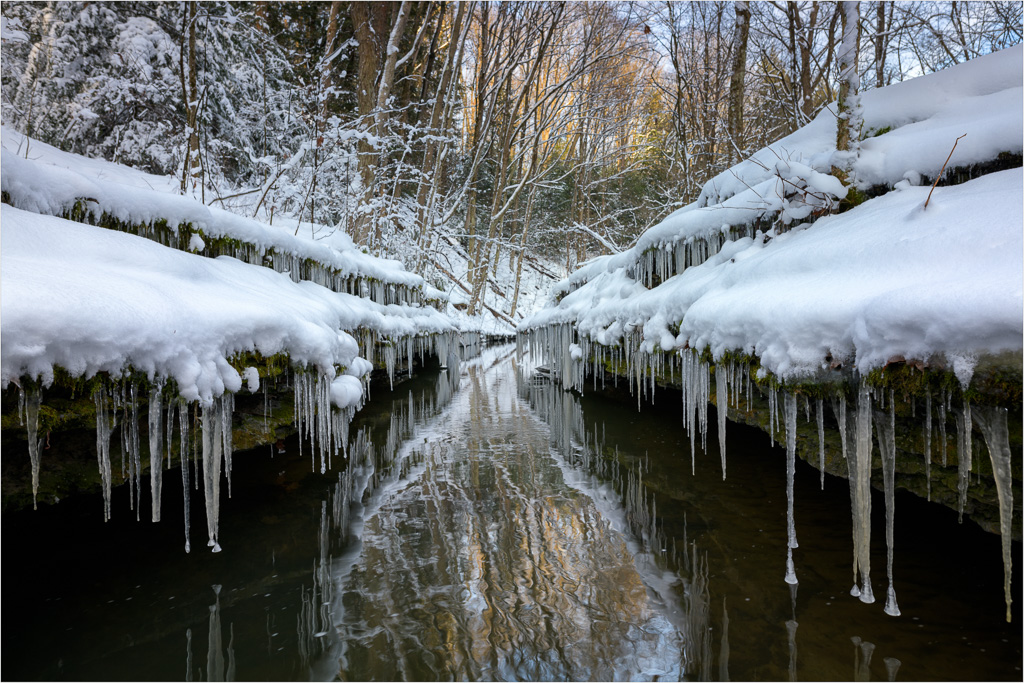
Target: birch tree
848 119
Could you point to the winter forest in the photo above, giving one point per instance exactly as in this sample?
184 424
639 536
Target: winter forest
466 140
442 323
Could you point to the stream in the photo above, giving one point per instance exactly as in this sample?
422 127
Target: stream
484 524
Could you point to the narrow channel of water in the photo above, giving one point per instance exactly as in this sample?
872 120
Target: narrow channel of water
492 526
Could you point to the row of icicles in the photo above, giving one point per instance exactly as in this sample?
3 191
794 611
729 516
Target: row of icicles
657 264
570 436
205 432
296 266
860 425
315 617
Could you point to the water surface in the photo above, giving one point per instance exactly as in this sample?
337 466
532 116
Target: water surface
491 526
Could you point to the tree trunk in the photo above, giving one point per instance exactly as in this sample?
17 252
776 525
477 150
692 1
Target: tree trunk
368 19
388 76
881 40
192 167
436 114
522 250
325 68
739 70
848 122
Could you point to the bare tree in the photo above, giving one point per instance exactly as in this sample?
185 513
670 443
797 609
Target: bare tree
741 32
191 169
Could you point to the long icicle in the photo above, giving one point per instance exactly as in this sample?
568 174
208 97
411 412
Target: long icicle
821 440
212 447
136 451
993 425
886 428
790 410
156 456
183 419
103 430
33 399
928 442
862 453
839 408
963 457
722 398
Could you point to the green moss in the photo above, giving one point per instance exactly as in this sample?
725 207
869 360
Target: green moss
267 366
997 386
875 132
853 198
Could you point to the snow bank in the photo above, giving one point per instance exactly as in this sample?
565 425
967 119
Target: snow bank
982 97
921 118
90 300
884 280
50 181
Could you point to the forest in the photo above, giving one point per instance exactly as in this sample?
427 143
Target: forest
464 139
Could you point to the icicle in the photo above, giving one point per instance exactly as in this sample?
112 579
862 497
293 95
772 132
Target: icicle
212 446
33 399
964 425
183 420
993 425
928 442
722 397
942 426
389 363
136 451
169 432
790 408
821 440
862 455
103 430
227 411
156 470
119 403
130 439
839 408
886 429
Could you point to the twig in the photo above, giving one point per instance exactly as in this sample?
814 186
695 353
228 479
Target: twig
942 171
232 196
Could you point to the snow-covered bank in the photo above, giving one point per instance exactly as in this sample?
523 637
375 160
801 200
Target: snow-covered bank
91 300
886 279
909 128
147 300
881 308
42 179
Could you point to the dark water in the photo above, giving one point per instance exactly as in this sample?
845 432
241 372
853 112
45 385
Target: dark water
504 530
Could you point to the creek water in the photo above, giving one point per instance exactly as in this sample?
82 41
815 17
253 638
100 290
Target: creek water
487 525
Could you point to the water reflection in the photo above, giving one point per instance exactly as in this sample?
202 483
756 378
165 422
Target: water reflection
524 533
215 653
676 575
486 557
